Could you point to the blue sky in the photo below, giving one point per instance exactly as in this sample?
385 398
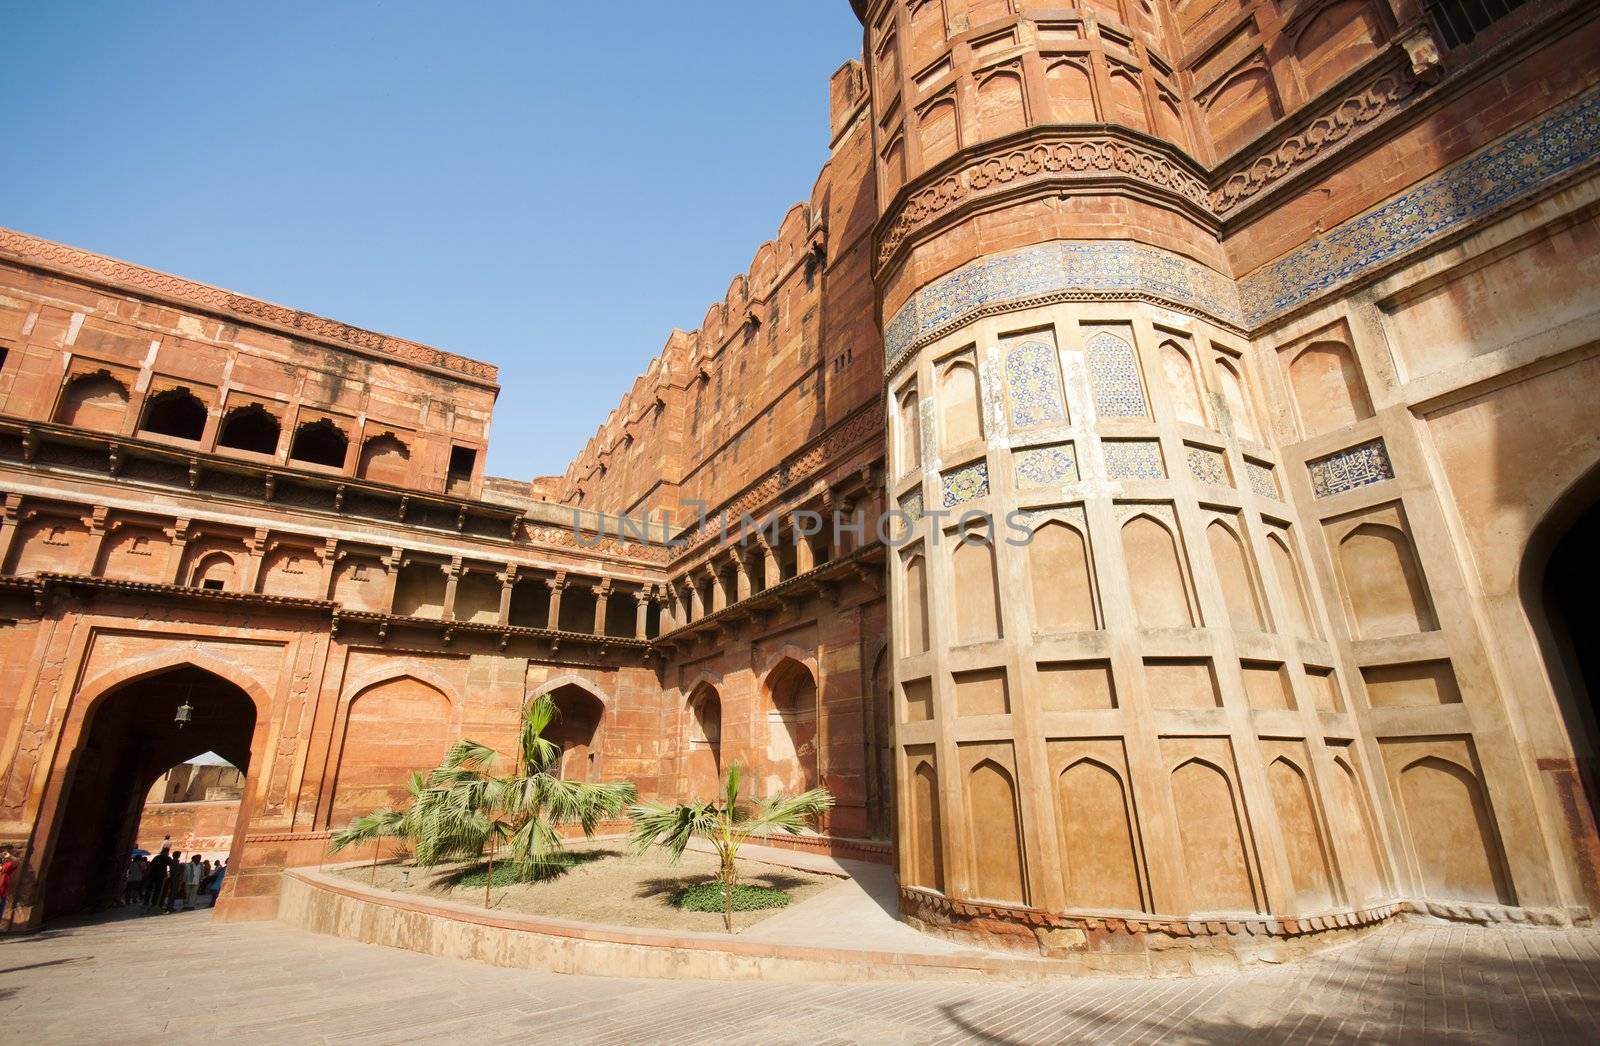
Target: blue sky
547 186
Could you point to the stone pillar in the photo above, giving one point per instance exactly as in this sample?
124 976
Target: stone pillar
641 613
452 581
179 535
803 559
602 594
508 585
741 568
258 553
556 585
697 608
391 579
719 591
770 572
8 526
329 562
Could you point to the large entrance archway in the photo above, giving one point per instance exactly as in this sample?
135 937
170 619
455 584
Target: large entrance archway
130 739
1564 597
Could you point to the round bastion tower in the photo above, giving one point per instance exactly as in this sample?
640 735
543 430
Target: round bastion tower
1104 696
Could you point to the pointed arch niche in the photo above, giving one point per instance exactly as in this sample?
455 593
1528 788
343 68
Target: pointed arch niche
1238 582
925 847
994 825
390 729
1326 383
1097 827
1211 831
1183 383
704 724
960 402
908 432
977 590
1061 578
791 742
1304 846
1155 568
1448 821
1384 589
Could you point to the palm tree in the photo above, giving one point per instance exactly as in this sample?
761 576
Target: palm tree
474 809
727 825
384 824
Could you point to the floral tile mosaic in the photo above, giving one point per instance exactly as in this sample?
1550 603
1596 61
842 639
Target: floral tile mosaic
1207 466
1114 377
1046 466
1353 467
966 484
1112 267
1033 377
1261 479
1133 459
1517 166
911 505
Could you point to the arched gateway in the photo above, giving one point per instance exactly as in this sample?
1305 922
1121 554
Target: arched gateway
127 736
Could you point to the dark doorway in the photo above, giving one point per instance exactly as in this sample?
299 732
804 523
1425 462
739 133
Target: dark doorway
130 739
1569 583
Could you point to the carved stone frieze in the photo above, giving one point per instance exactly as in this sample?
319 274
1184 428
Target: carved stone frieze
1378 99
1071 156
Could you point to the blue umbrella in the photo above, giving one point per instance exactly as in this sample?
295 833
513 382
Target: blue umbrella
138 853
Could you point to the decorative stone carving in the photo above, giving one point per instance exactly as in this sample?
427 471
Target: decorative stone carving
1261 480
1085 156
1207 466
1133 459
1033 378
1376 100
1353 467
1046 466
1114 377
965 484
1061 270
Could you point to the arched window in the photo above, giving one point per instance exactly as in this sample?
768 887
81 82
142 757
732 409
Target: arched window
320 442
174 412
386 459
93 401
251 427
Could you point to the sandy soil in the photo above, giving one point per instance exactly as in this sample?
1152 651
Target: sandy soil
615 887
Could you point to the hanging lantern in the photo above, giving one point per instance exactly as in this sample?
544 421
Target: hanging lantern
184 714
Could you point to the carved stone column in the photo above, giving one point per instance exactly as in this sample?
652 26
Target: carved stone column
179 534
556 584
602 594
452 581
641 613
508 585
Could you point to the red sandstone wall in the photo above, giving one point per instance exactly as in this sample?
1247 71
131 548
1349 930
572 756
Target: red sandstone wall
90 352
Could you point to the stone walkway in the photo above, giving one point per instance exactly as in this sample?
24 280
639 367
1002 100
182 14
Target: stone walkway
185 979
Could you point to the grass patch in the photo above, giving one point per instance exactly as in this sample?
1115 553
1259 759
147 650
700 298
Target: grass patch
708 897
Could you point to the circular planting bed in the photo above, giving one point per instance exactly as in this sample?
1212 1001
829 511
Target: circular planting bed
606 883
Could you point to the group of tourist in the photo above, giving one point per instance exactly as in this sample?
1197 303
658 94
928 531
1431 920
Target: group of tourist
168 883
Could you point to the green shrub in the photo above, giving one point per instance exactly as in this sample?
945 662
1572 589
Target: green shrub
707 897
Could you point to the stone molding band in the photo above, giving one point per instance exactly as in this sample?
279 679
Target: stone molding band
1092 156
70 261
1520 166
1003 919
1061 270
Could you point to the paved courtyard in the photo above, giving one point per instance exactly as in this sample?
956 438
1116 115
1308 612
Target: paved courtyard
182 979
